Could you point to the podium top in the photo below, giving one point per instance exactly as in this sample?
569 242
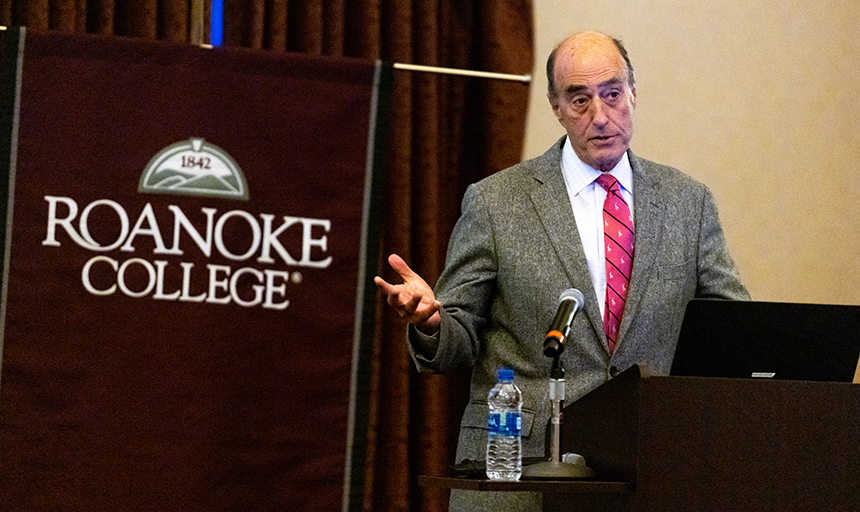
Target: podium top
771 340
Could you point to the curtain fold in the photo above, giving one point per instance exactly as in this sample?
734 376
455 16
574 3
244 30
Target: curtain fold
168 20
445 133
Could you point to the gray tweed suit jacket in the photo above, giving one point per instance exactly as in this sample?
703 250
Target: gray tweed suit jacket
516 248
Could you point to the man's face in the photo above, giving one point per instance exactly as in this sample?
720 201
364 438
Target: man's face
593 100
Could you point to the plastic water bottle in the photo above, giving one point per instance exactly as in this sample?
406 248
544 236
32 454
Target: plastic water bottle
504 442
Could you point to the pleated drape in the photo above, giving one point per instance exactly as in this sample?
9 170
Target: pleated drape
169 20
444 133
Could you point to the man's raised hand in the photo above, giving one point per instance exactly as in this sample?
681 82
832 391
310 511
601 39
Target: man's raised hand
413 299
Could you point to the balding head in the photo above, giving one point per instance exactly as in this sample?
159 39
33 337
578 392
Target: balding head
587 42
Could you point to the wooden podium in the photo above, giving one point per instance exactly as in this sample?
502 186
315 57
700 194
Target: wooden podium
706 445
709 444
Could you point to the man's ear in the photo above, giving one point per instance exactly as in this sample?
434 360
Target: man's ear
556 108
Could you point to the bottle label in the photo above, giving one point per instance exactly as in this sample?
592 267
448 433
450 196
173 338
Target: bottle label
508 424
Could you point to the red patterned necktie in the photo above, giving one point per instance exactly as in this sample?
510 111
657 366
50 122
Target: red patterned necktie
618 237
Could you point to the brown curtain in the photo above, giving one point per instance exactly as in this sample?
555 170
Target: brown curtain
169 20
444 133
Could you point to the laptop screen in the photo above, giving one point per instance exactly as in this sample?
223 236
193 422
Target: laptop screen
769 340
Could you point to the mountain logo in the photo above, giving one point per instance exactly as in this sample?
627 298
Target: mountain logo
194 167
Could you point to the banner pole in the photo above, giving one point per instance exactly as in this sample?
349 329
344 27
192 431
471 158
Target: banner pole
198 22
462 72
12 62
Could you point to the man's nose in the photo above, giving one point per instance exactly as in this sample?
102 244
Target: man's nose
599 116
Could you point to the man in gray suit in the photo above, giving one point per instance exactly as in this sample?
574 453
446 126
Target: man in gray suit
533 230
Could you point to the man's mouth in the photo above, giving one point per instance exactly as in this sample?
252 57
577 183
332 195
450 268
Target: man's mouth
602 138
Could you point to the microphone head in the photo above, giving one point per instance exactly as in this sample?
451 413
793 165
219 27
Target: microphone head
572 293
553 344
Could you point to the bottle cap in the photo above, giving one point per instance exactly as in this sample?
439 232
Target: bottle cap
506 374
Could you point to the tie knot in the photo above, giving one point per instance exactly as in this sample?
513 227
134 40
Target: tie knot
607 181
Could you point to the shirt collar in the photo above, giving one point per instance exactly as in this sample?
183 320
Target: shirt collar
579 175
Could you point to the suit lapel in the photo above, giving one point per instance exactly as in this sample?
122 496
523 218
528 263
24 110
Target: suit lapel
647 214
552 205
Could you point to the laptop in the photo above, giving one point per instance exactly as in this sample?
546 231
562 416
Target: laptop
769 340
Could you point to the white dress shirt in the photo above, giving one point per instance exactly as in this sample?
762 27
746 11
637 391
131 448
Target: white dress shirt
586 199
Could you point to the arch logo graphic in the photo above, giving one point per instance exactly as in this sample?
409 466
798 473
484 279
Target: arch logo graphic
194 167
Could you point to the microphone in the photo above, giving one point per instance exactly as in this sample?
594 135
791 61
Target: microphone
569 303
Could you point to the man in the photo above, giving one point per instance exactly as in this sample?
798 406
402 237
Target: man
531 231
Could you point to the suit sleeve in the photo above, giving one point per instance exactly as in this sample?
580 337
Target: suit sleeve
718 275
465 290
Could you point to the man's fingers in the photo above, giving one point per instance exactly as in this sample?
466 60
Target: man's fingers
399 265
406 298
413 303
383 285
427 320
398 295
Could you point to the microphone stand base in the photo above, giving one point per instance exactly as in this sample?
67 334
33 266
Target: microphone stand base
556 471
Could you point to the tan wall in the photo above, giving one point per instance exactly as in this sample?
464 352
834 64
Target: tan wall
760 101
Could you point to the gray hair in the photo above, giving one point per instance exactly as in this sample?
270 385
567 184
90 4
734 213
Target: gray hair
550 65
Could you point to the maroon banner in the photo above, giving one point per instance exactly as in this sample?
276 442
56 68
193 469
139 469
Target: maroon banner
182 275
